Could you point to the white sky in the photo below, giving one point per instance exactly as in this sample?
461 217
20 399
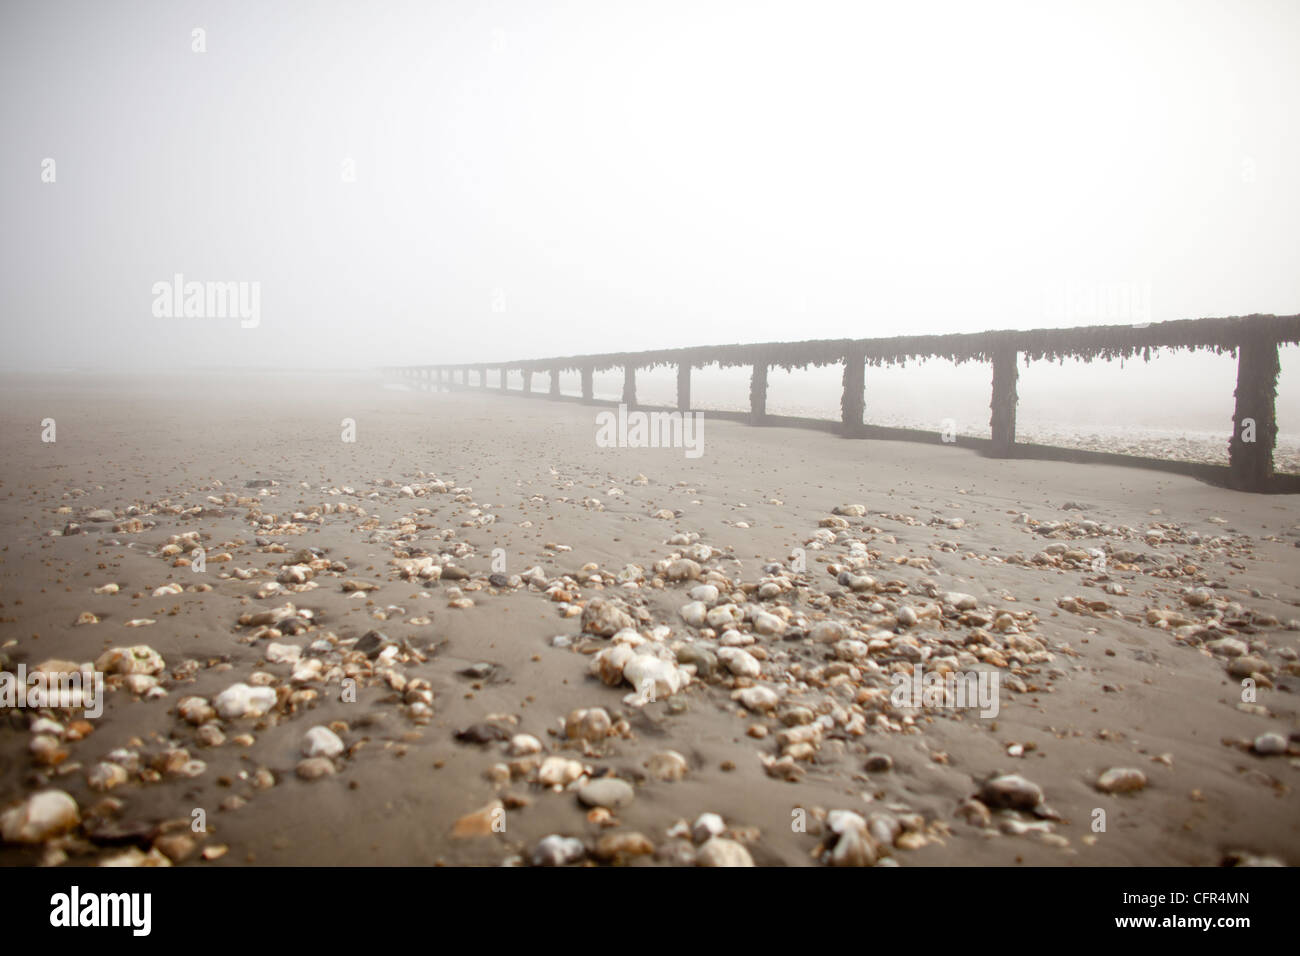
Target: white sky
622 176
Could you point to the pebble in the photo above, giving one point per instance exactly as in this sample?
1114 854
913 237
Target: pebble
1011 792
321 742
373 643
140 659
559 771
854 847
1228 647
177 847
609 792
1269 745
722 852
683 569
313 768
724 615
757 698
480 823
46 750
704 661
283 653
1248 665
135 857
605 618
588 723
614 846
706 594
106 776
695 613
1121 780
739 662
960 600
195 710
667 678
241 700
40 817
706 826
521 745
668 765
556 850
879 763
483 733
828 632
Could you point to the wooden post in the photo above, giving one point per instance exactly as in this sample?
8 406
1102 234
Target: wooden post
1254 421
482 377
555 382
853 403
629 385
587 391
684 386
505 379
758 394
528 381
1002 423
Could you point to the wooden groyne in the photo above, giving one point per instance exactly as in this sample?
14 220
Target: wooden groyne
1253 339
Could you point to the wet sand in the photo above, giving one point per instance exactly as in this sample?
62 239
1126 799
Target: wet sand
1086 687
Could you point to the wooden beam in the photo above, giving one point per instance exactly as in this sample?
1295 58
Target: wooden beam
758 394
1254 420
852 402
1002 422
629 386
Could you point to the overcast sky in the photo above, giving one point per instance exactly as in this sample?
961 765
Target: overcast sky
536 178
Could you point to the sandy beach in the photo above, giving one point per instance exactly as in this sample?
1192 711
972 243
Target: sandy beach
404 693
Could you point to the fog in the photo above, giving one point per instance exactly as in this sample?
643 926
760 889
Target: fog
455 182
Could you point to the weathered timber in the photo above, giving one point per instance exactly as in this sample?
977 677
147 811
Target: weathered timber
758 394
1254 339
1002 423
1254 420
629 385
853 401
